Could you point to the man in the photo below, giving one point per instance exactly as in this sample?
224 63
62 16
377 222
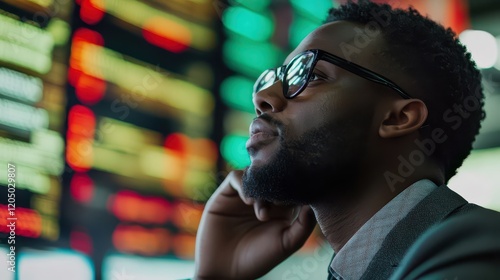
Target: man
359 130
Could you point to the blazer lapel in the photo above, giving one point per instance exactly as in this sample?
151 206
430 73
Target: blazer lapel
431 210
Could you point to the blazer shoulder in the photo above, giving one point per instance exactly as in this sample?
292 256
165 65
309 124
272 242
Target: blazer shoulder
438 206
465 246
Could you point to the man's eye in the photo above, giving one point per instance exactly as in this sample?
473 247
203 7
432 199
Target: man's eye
316 77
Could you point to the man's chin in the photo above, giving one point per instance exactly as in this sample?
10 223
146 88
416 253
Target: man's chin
268 184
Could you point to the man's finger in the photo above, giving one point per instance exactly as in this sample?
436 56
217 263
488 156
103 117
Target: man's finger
265 211
235 181
295 236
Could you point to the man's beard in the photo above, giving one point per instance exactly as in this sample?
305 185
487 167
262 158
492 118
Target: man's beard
322 162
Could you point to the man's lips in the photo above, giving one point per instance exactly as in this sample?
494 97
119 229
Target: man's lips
261 133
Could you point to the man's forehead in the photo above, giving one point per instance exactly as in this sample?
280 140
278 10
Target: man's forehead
339 38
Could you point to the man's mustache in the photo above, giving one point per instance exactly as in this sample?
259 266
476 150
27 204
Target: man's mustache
274 122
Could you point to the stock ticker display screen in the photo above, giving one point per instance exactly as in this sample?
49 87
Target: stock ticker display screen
139 140
108 130
33 107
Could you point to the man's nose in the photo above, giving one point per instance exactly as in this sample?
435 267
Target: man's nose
270 100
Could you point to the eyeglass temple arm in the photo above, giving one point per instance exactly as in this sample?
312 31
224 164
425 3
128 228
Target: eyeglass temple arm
365 73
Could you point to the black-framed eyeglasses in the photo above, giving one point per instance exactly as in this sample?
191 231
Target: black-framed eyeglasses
295 76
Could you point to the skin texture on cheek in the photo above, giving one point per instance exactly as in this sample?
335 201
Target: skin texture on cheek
312 109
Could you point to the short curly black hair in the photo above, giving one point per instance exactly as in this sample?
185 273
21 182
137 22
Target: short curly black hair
449 82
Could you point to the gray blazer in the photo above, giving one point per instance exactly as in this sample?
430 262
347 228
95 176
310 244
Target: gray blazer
443 237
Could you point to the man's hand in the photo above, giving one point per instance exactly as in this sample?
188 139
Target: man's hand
240 238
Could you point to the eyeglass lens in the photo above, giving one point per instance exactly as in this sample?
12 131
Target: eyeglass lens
297 73
295 76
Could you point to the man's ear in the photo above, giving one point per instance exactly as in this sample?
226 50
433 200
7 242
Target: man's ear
405 117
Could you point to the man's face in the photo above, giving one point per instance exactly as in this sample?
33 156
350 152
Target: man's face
315 144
